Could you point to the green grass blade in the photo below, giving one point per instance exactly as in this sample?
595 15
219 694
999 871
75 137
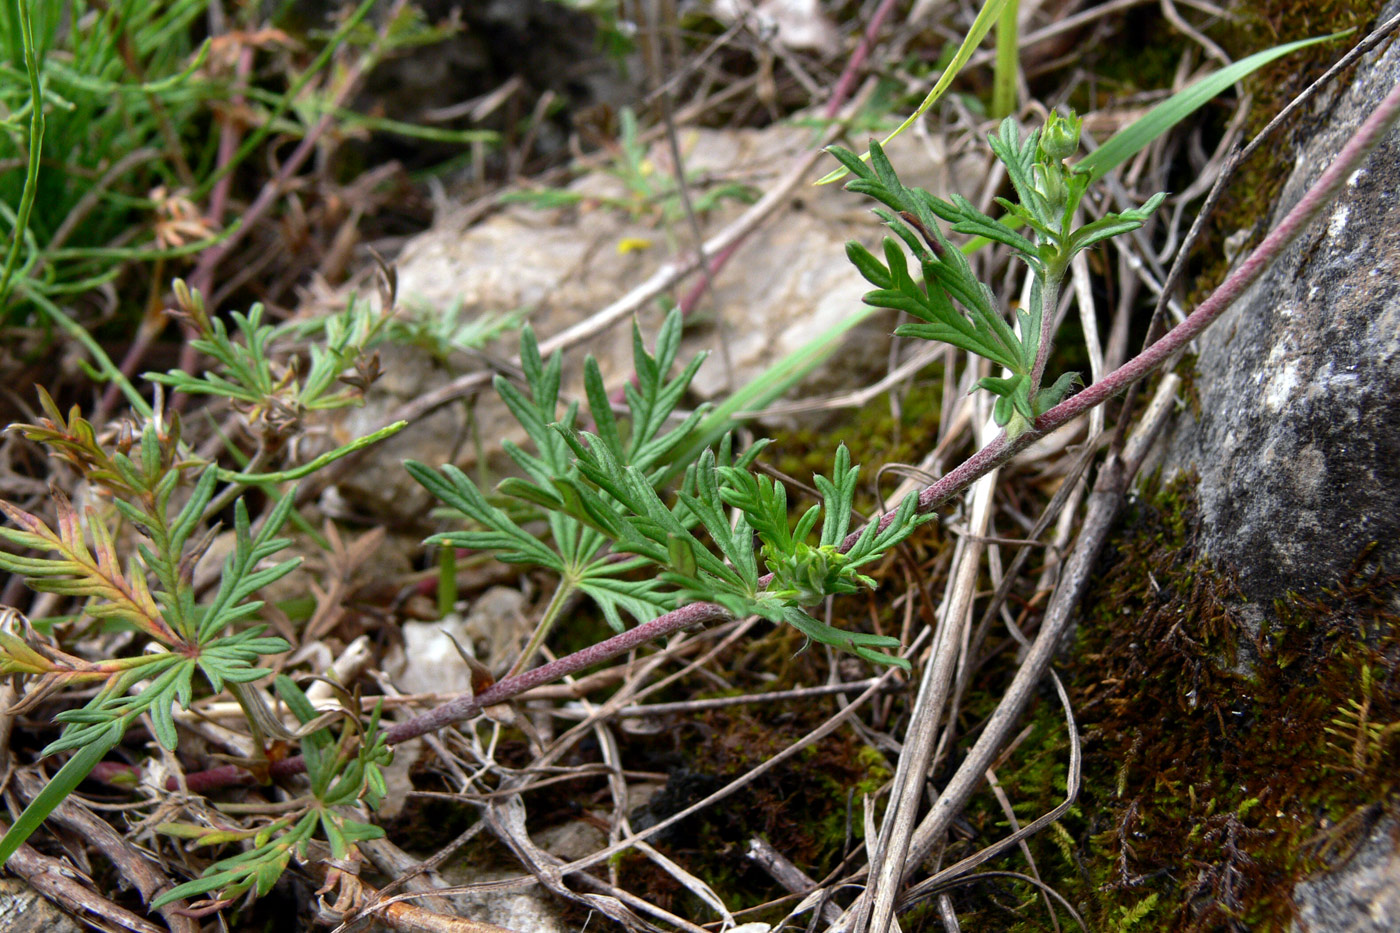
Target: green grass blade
36 142
991 12
256 137
63 783
1131 140
1008 61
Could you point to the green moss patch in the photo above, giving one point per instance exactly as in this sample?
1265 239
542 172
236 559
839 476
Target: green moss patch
1220 767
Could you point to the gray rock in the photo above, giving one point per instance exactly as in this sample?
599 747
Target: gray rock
1360 896
429 661
1297 446
528 907
24 910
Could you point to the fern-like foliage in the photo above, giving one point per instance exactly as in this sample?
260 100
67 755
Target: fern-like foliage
946 297
572 549
151 591
603 498
343 772
276 395
127 561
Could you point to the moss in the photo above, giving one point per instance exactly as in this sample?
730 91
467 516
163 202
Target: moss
1220 766
809 806
1122 69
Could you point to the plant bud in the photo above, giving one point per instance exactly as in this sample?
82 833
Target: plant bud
1060 138
1050 185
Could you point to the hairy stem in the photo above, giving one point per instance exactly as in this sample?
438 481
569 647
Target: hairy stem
1049 303
566 587
996 453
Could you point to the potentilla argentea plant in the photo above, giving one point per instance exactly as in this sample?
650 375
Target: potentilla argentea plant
616 534
951 304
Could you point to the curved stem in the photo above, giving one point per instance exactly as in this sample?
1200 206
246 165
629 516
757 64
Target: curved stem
566 588
996 453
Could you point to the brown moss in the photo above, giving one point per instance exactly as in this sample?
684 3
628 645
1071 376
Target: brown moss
1220 767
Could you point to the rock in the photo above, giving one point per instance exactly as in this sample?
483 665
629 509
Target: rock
796 24
429 662
379 484
1360 896
1297 450
1297 445
573 840
525 908
24 910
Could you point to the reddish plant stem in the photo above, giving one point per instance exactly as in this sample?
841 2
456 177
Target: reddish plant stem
466 706
1003 449
847 81
998 452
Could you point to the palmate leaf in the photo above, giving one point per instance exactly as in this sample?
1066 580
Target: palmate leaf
643 600
240 578
77 571
256 869
803 574
246 368
74 440
948 280
511 543
581 518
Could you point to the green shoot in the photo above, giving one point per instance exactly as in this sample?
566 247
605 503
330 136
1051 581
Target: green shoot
601 493
950 302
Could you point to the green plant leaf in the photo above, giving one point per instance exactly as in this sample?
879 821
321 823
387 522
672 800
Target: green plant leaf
63 783
1135 137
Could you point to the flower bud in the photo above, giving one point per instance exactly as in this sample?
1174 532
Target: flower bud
1060 138
1050 184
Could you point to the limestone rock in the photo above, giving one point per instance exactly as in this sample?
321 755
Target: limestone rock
1297 445
24 910
1360 896
429 661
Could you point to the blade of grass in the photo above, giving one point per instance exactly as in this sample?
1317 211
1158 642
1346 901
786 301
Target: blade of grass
36 141
1131 140
256 138
991 10
1008 61
63 783
80 334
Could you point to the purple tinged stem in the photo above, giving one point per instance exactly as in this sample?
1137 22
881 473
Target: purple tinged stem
996 453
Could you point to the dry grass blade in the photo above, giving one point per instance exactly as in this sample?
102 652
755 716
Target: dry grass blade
887 868
131 864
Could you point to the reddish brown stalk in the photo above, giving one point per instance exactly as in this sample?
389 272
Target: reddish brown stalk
847 81
998 452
